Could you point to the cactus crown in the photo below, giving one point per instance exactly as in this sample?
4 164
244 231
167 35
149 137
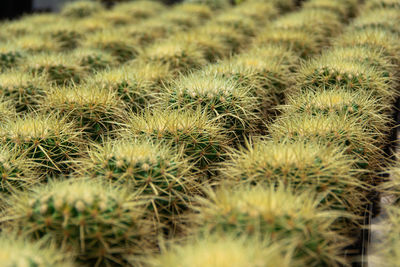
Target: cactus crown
18 252
275 210
140 9
225 251
81 9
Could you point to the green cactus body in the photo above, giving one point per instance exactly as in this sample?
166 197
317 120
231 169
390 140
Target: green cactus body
18 252
15 172
47 141
180 57
96 111
9 60
24 90
373 39
93 60
58 68
226 100
372 113
200 139
301 166
333 130
277 212
99 222
330 72
152 170
225 251
81 9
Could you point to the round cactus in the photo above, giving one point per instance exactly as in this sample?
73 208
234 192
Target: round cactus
225 251
149 31
18 252
93 60
301 166
101 223
180 57
81 9
384 19
96 111
153 170
140 9
9 57
226 100
202 140
259 12
237 22
344 8
49 142
333 130
374 39
57 68
329 71
235 41
301 42
371 112
377 4
277 212
136 85
24 90
35 43
16 173
123 49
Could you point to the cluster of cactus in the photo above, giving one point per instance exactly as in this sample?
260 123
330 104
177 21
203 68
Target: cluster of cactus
199 134
97 222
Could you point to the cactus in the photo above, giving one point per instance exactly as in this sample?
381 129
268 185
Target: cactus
34 43
115 18
9 57
81 9
377 4
18 252
91 24
384 19
258 11
330 71
101 223
57 68
153 170
301 42
224 99
371 112
149 31
180 57
95 111
237 22
301 166
264 70
200 139
333 130
140 9
49 142
7 111
93 60
23 89
16 173
110 40
214 4
136 85
183 21
277 212
374 39
344 8
224 251
232 39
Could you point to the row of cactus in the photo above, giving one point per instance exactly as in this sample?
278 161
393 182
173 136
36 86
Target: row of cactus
84 173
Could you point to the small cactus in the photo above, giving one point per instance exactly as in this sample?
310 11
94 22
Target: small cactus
344 8
200 139
301 166
333 130
237 22
49 142
23 89
235 41
153 170
101 223
224 251
35 43
226 100
18 252
380 19
377 4
93 60
277 212
95 111
140 9
180 57
9 57
58 68
81 9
